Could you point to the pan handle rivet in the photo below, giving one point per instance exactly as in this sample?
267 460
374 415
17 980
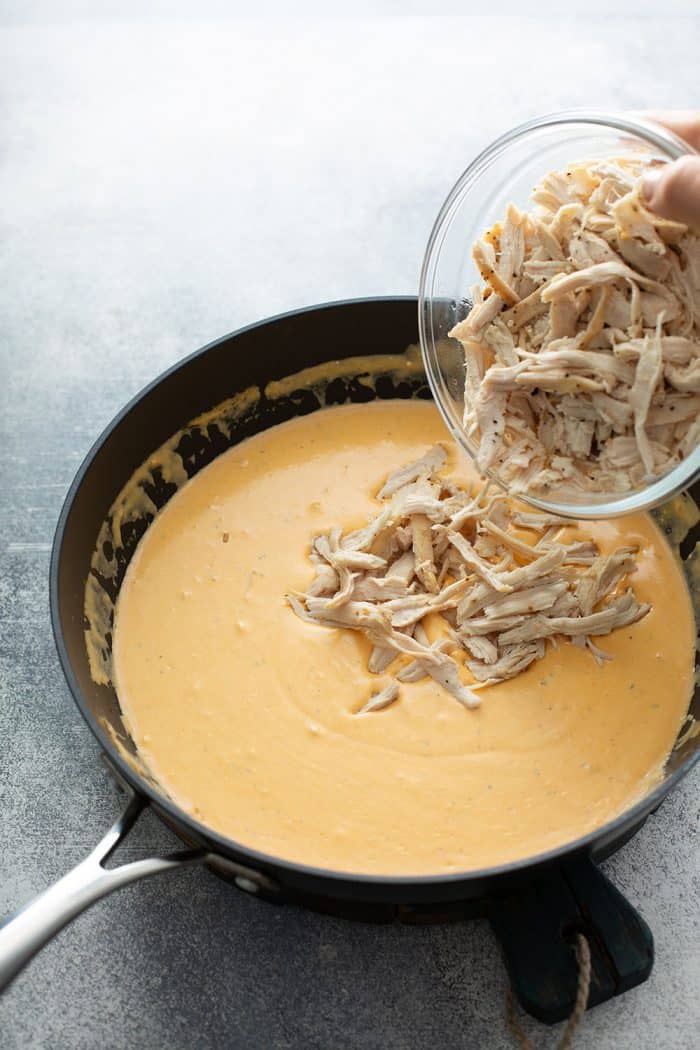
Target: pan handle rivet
246 884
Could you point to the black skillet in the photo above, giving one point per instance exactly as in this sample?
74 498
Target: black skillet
534 905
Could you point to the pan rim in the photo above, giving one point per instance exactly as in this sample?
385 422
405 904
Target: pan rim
257 859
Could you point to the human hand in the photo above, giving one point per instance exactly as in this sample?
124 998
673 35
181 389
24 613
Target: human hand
673 190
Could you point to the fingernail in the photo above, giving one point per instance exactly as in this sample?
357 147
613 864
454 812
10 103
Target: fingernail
650 182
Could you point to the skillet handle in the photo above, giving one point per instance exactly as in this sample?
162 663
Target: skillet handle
535 927
29 929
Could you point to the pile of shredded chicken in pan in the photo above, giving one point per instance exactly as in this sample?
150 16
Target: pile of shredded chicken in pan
583 346
437 548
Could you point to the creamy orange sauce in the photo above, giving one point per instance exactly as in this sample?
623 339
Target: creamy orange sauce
246 715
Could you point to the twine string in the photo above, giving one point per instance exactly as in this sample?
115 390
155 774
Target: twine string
583 956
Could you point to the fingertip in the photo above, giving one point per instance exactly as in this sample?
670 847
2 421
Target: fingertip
674 191
650 184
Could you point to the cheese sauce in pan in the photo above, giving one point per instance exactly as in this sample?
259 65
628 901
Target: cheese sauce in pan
246 715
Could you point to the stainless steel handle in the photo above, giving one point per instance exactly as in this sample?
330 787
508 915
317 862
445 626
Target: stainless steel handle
29 929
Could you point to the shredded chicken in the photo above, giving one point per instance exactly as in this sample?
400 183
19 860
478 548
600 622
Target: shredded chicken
378 701
443 558
584 334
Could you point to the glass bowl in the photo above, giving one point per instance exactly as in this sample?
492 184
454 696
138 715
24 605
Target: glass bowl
506 171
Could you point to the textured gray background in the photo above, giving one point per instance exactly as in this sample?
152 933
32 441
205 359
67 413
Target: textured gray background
163 182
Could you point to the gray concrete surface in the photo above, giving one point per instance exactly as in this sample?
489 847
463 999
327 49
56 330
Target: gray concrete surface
163 182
